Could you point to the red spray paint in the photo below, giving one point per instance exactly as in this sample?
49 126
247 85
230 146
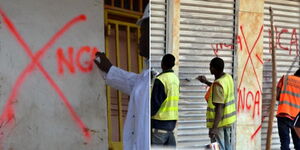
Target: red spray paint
8 113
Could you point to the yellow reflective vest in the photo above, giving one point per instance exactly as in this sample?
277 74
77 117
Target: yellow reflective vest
229 114
169 108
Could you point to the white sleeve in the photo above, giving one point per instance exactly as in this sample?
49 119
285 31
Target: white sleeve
121 79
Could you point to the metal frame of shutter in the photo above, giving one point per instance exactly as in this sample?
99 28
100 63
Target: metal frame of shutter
286 15
202 23
158 27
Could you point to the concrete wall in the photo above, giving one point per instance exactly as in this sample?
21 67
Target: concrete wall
173 37
175 33
33 101
249 74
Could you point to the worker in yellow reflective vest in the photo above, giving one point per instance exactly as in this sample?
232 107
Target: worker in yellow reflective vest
221 111
164 104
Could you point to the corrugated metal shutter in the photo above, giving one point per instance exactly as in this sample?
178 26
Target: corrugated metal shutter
286 16
203 25
158 32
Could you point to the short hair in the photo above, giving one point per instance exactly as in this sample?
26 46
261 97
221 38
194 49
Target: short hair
217 63
168 61
297 73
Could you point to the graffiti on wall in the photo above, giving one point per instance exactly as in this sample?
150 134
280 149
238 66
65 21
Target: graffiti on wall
293 44
71 60
248 100
280 35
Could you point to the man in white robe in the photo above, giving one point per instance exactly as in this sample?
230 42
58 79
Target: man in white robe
136 133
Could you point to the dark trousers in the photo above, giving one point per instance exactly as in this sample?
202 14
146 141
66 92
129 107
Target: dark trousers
163 139
285 125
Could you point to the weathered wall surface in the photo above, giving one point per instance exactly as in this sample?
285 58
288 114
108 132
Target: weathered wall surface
51 94
250 67
176 34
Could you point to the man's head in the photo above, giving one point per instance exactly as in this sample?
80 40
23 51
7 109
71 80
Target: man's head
297 73
144 39
167 62
216 66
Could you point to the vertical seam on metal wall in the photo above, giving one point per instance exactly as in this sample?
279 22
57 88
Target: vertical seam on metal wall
235 61
166 26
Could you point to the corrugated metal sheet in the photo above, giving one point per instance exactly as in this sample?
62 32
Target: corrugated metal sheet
158 32
286 16
204 26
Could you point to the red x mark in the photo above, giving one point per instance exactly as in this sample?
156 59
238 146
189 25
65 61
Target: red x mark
8 113
247 61
250 57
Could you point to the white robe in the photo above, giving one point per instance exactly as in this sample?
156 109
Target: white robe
136 132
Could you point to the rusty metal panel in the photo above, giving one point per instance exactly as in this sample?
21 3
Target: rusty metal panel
158 32
287 29
206 31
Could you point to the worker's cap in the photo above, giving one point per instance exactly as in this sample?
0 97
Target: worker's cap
145 15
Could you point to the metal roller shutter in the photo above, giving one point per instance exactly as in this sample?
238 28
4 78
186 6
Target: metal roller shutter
158 32
205 26
287 22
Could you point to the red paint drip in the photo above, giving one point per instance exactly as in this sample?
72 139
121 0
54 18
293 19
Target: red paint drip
8 112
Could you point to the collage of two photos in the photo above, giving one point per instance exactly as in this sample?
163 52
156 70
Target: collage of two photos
149 74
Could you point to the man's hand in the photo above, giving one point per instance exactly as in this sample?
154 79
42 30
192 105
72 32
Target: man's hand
202 79
213 133
104 63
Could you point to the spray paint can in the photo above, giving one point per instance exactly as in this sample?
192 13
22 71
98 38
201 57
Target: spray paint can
214 146
98 59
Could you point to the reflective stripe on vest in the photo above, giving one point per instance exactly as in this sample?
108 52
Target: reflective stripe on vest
169 108
229 114
289 100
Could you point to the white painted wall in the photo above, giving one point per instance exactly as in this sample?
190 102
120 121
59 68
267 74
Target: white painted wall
42 121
